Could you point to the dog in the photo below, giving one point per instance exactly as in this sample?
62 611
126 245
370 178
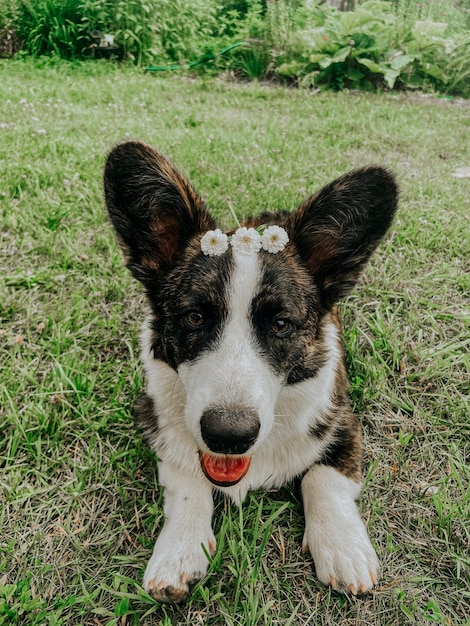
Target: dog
244 361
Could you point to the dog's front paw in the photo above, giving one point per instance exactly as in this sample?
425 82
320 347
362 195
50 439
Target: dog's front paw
175 568
335 533
344 557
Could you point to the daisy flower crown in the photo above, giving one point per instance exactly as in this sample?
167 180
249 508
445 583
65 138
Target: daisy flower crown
245 240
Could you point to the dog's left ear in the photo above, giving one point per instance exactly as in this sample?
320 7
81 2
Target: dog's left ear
336 230
153 208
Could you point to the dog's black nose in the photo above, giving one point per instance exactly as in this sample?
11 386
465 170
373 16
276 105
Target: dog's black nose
229 431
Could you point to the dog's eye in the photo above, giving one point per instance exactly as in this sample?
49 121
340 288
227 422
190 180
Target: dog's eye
194 319
281 327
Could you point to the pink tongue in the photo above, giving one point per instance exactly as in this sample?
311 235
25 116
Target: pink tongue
225 470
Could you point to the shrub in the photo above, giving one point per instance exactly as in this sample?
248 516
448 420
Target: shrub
51 26
374 46
269 29
169 30
131 22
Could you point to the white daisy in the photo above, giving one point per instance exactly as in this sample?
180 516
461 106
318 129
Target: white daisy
246 240
214 242
274 239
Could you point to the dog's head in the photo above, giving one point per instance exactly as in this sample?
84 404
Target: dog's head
237 328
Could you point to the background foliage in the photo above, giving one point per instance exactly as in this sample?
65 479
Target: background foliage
379 44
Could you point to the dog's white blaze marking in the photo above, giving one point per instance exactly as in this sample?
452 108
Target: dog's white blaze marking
243 286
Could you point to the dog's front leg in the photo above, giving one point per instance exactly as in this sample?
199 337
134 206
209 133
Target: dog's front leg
179 557
335 533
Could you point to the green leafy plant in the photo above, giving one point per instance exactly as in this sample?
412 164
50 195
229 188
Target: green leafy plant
185 28
131 22
268 29
253 61
346 50
52 26
370 47
168 31
457 68
18 601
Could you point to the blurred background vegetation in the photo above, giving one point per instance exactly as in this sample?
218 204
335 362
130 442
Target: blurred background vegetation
371 44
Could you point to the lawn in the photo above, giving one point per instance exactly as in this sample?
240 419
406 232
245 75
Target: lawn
80 504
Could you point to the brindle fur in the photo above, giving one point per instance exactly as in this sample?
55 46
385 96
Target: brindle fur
159 220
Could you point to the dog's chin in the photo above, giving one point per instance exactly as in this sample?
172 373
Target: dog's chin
226 470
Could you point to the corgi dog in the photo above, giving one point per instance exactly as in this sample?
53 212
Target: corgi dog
244 362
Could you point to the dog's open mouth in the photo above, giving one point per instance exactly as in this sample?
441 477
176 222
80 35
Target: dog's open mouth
224 471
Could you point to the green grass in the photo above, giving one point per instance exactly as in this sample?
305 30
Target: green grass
80 505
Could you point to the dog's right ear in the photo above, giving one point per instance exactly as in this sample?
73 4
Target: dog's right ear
153 208
336 230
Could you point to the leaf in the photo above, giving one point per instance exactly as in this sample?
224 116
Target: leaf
427 33
318 58
122 607
313 38
408 613
371 65
401 61
355 74
389 73
390 76
325 62
290 70
351 21
341 55
433 612
432 70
